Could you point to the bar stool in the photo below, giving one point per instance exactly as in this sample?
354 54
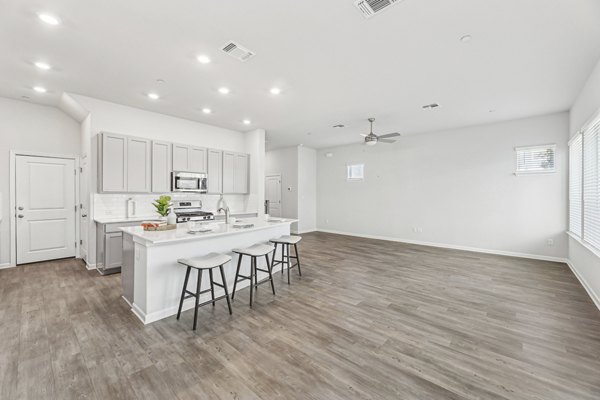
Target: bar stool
254 251
208 262
285 242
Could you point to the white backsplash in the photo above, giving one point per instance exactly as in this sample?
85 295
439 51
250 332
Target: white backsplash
115 205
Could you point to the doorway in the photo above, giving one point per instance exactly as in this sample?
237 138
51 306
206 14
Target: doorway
45 203
273 194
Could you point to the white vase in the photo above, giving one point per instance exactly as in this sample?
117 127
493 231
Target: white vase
172 218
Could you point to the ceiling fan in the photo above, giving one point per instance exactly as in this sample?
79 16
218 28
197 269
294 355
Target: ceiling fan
371 139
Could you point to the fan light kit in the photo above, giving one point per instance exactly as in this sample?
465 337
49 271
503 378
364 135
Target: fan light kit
372 139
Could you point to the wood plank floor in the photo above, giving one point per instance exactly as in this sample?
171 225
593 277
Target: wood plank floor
368 320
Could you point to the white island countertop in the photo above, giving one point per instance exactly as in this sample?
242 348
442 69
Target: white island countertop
154 217
182 234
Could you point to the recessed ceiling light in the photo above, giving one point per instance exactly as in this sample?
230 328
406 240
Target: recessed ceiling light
202 59
49 19
42 65
275 90
153 96
224 90
40 89
466 38
338 126
247 122
206 110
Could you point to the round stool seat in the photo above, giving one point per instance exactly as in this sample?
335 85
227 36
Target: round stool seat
211 260
256 250
287 239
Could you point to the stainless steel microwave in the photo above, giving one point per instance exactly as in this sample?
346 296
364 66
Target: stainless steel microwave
188 182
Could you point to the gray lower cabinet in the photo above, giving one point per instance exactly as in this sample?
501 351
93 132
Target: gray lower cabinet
109 246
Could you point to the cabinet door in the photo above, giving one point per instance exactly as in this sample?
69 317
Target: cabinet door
215 171
197 159
138 165
114 163
241 174
228 172
181 157
161 167
114 250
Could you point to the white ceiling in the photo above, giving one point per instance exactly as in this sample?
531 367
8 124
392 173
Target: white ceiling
527 57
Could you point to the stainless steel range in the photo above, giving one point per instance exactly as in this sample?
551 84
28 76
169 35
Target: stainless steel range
191 210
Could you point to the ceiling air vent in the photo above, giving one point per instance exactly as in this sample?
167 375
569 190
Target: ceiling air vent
235 50
368 8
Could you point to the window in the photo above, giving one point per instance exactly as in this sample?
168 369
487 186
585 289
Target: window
584 184
575 184
536 159
355 172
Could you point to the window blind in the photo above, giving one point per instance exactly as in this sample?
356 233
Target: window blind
591 186
355 172
536 159
575 185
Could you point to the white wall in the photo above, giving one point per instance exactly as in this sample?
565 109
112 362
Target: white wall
111 117
29 127
584 262
307 189
285 162
457 186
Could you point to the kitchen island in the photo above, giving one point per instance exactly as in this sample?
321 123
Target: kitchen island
151 277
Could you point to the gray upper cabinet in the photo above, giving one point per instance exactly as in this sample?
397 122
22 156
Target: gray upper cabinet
114 163
130 164
215 171
240 174
235 173
161 167
125 164
139 165
228 174
189 158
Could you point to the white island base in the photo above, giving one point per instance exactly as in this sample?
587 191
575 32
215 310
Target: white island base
152 279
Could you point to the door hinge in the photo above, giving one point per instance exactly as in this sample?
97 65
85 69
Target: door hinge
81 169
80 241
75 244
75 207
75 172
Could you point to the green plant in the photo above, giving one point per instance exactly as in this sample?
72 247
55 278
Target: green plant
162 205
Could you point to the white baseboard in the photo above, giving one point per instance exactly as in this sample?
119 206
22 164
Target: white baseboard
593 295
451 246
89 266
306 231
6 265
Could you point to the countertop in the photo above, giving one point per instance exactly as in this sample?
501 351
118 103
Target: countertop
218 229
114 220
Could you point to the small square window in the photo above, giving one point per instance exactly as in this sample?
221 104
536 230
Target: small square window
355 172
536 159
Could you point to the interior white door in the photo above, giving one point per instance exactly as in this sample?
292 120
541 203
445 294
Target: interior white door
273 194
45 199
84 207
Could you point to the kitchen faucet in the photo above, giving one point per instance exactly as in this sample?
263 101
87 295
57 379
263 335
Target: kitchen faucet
226 211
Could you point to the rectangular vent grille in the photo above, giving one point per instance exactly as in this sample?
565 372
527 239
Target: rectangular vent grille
369 8
237 51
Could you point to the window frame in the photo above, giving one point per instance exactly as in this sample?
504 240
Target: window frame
349 168
549 146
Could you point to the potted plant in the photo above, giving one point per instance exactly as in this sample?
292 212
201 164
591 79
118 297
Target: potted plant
162 205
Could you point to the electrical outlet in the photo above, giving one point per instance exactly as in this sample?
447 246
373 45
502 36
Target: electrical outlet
550 242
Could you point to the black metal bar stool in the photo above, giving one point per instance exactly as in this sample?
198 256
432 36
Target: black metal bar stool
255 251
208 262
286 241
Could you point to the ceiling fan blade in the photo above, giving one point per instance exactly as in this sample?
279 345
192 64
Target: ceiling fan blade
363 135
389 135
386 140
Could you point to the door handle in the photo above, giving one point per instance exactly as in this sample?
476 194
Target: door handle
20 216
20 208
83 215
